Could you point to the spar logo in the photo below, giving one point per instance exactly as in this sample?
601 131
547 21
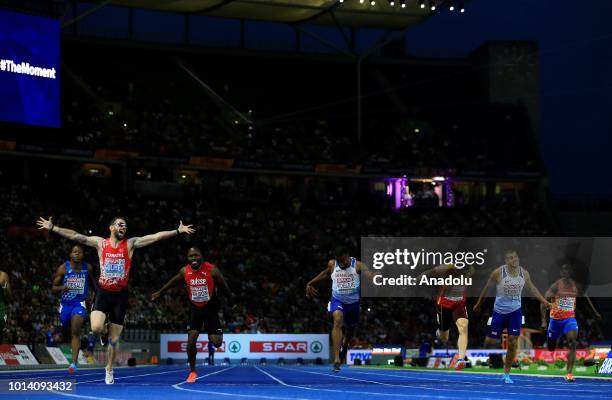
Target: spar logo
279 347
316 347
180 346
234 347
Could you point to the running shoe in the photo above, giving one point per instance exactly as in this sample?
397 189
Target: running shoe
109 379
570 378
192 377
72 368
460 365
336 367
507 379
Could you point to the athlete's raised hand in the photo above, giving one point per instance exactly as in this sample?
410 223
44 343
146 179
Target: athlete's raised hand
311 291
45 223
185 228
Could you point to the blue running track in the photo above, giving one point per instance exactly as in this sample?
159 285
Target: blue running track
309 382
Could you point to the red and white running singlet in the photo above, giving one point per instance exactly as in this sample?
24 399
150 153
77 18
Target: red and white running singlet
114 266
452 296
200 284
564 305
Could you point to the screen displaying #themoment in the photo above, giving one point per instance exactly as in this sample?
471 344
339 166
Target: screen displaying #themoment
29 69
429 266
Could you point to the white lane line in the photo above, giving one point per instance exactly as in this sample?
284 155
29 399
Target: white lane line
178 387
455 390
458 381
133 376
79 396
361 392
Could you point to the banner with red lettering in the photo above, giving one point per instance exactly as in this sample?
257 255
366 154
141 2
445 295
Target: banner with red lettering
8 355
552 356
251 346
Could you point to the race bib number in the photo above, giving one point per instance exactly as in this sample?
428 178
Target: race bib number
75 285
114 268
567 303
345 283
199 293
512 290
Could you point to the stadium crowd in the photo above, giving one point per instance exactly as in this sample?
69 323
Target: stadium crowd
268 242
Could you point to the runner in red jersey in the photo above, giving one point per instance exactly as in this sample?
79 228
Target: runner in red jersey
201 280
451 306
563 294
115 255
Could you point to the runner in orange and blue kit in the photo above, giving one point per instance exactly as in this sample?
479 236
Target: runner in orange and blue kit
201 280
563 294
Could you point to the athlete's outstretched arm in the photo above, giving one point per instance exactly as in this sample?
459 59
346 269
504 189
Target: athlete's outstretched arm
173 281
311 291
58 287
550 293
5 284
588 299
92 241
138 242
364 270
534 290
493 279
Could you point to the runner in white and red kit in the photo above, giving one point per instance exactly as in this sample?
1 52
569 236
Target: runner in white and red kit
451 307
201 281
115 254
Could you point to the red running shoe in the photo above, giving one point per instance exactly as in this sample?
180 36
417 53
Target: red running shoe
192 377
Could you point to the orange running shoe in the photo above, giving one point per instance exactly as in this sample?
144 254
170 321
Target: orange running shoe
192 377
569 378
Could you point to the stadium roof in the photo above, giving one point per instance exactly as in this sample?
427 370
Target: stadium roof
347 13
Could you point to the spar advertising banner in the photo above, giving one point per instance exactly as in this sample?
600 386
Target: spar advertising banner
270 346
362 354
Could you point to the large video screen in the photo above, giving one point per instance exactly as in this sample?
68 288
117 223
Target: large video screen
29 69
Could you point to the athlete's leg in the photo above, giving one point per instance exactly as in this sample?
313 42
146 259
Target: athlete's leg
511 353
337 334
192 337
571 337
216 339
114 332
97 319
76 323
462 340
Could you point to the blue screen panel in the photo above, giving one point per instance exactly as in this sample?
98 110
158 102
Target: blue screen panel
29 69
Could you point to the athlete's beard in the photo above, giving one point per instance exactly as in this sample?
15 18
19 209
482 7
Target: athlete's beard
195 265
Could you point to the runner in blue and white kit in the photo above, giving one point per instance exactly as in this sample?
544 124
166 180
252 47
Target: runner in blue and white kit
345 273
73 279
509 280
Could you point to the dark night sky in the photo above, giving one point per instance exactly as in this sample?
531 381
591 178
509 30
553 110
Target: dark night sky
575 40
